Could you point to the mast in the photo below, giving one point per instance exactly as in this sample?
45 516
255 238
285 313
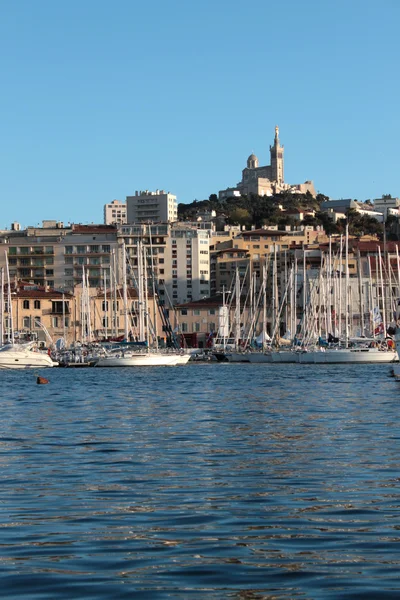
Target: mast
237 312
2 308
63 312
105 306
125 293
154 290
140 291
382 290
347 296
360 292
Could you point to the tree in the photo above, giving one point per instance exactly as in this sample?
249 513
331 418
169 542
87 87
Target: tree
240 216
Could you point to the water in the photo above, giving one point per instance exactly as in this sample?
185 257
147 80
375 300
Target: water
206 481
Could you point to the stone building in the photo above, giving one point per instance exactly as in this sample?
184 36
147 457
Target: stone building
266 180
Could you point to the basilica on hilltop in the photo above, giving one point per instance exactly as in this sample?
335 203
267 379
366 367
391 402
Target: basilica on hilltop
267 180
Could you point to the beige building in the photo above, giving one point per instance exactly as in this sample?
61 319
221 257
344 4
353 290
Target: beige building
115 212
56 256
178 254
249 249
93 315
152 207
266 180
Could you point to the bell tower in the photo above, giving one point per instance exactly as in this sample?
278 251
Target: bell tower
276 151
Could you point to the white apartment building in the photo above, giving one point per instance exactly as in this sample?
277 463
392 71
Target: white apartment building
115 212
187 260
152 207
180 257
387 206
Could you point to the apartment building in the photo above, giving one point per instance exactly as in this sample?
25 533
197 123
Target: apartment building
178 254
152 207
249 249
188 261
115 212
55 256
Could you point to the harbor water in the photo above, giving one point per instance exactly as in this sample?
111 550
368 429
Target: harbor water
241 481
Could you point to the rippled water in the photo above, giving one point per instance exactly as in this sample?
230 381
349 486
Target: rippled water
220 481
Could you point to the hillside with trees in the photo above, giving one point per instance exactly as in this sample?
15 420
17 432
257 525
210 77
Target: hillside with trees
275 210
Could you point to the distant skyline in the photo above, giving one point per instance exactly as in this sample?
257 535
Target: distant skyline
100 99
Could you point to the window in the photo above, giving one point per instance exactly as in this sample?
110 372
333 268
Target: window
196 327
161 261
184 327
37 322
69 249
36 304
211 311
104 306
184 311
49 272
55 322
26 304
68 272
27 322
81 249
196 312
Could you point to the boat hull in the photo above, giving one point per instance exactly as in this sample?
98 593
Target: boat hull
347 356
143 360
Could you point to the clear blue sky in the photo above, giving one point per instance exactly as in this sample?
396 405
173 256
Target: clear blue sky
100 99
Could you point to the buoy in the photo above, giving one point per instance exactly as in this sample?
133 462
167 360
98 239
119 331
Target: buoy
42 380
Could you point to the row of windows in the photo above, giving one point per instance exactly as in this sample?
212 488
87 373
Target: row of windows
93 249
196 312
13 250
26 304
196 327
30 323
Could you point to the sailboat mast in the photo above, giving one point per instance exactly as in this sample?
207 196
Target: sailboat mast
105 306
2 308
125 293
382 290
347 296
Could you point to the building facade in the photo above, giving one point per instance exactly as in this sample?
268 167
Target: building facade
115 212
266 180
152 207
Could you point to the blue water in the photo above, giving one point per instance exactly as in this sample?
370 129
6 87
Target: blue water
206 481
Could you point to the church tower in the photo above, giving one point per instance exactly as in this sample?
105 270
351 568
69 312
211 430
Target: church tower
277 159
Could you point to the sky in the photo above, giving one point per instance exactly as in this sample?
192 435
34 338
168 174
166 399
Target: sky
99 99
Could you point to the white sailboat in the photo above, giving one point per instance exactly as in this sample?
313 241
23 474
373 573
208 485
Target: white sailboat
19 356
125 356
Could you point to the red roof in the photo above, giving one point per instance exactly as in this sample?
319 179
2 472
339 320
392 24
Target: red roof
93 228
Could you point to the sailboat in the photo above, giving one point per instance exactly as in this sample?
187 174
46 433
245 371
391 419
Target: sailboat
19 356
123 356
350 350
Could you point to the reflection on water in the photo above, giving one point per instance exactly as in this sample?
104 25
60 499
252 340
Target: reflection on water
220 481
